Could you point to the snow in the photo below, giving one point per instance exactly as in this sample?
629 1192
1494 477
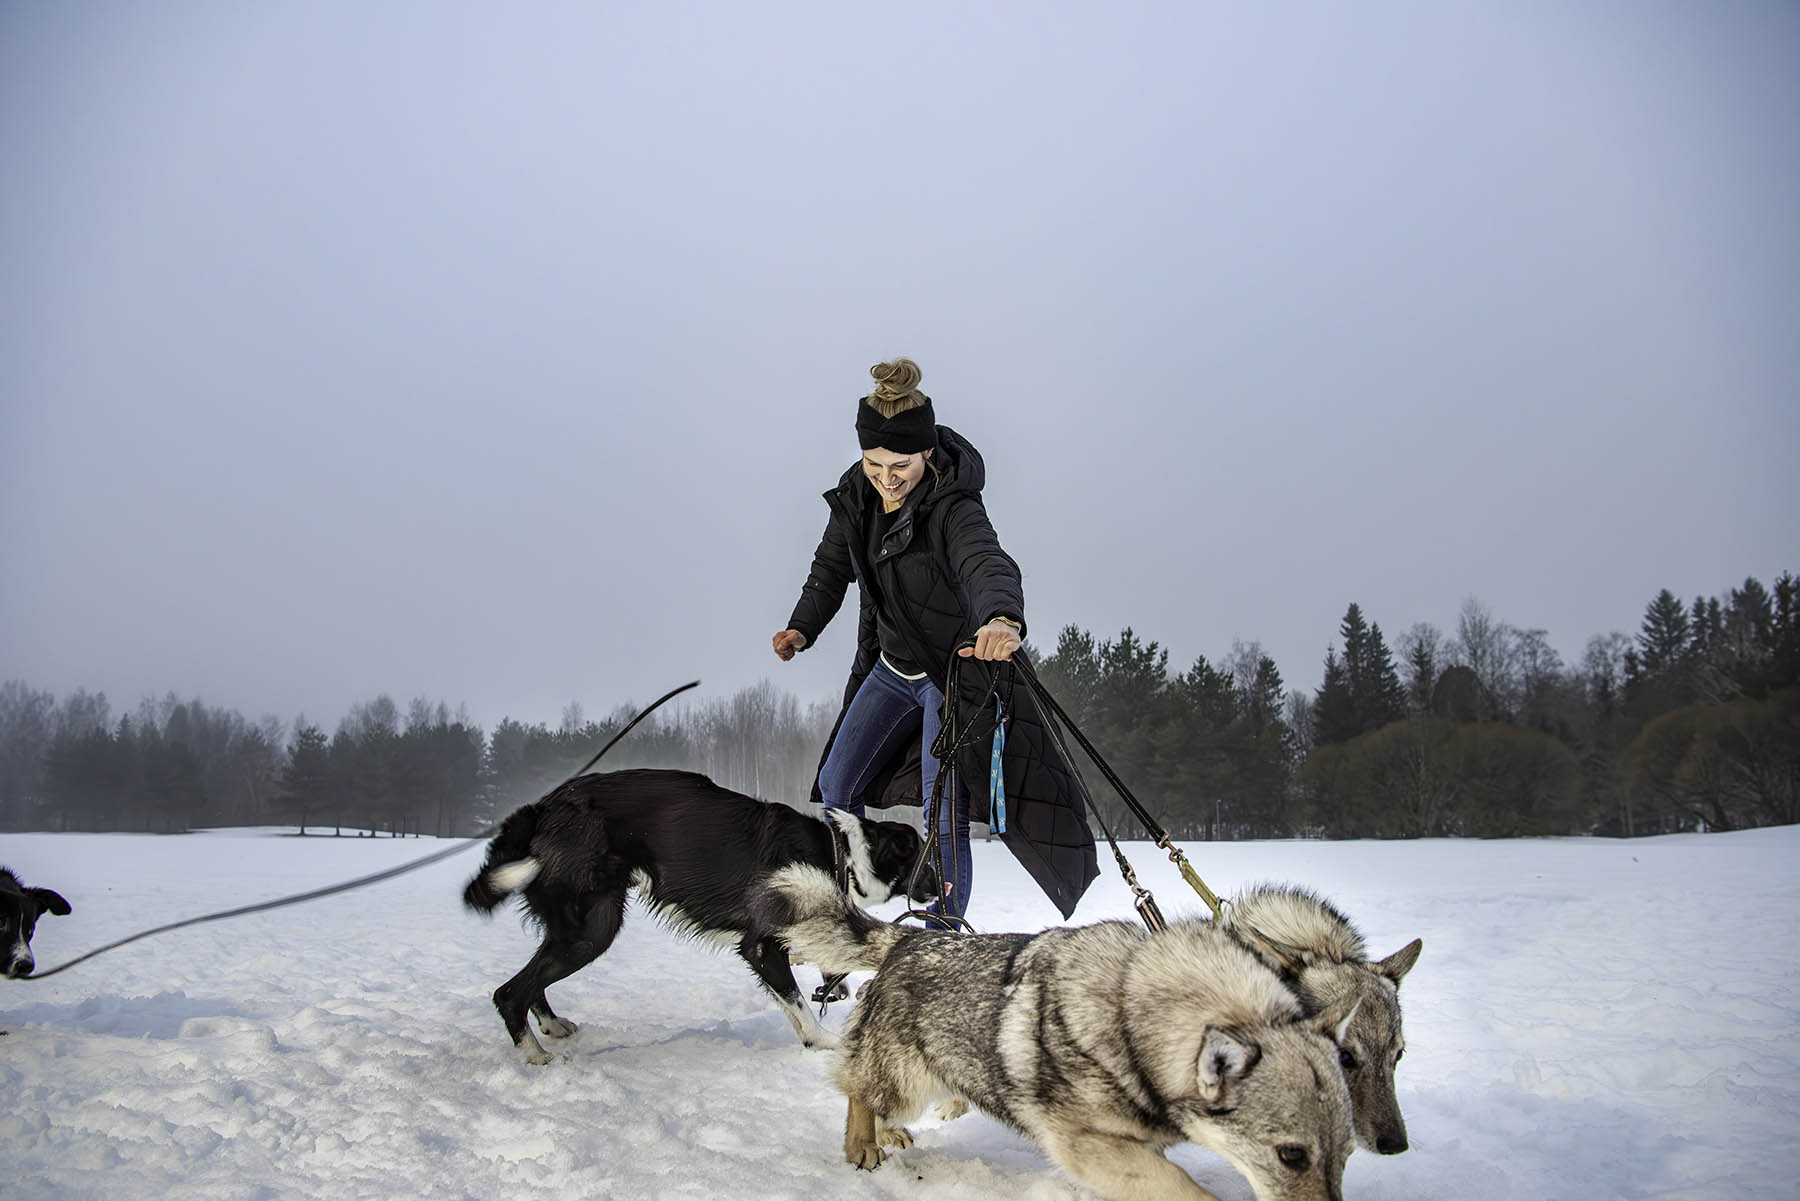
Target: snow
1590 1020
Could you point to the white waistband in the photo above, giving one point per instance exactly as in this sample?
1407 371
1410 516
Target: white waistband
897 671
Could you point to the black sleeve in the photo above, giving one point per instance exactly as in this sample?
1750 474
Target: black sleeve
988 576
823 592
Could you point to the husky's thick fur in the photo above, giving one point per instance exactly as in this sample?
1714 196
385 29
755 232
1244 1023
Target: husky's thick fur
1106 1044
697 855
1321 956
20 908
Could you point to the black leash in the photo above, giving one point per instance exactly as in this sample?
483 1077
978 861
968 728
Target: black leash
360 881
831 985
944 749
949 742
1145 903
316 893
652 707
948 745
1142 901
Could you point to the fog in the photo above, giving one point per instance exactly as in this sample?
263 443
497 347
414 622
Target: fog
501 356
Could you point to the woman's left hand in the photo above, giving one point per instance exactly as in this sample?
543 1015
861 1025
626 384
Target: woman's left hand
995 640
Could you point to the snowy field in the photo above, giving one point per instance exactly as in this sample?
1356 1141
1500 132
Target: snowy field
1590 1020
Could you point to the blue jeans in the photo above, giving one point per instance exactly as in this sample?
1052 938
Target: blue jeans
886 711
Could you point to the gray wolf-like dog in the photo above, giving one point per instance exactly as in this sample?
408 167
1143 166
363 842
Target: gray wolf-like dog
1316 950
1106 1044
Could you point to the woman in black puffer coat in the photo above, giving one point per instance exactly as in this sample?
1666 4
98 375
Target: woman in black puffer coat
908 526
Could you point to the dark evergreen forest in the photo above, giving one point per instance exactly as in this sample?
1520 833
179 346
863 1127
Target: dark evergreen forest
1693 723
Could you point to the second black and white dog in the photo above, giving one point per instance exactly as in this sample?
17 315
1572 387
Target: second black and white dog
20 908
698 856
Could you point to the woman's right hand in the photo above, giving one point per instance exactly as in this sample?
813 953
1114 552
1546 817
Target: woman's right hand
787 643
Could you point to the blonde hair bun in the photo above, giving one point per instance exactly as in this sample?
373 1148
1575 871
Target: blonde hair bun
896 387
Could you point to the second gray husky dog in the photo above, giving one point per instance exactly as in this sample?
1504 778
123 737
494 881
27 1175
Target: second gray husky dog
1321 956
1105 1043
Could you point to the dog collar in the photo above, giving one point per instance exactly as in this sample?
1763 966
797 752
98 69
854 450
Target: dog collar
840 858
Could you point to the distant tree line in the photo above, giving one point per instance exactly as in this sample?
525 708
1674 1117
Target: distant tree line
1692 724
177 765
73 766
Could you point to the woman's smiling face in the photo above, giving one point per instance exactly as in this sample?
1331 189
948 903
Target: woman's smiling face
894 476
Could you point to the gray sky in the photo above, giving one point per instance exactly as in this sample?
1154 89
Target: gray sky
500 354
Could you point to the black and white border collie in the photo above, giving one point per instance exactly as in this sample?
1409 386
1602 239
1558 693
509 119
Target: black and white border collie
20 908
699 857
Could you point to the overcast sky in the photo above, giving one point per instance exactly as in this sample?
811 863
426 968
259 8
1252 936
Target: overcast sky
500 353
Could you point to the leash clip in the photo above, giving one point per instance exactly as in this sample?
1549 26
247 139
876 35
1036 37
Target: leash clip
1148 911
831 988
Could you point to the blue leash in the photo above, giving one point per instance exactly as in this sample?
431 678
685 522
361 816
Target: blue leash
996 770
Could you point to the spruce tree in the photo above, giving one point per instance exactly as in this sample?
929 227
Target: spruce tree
1745 644
1355 633
1704 627
1334 714
1384 700
1784 633
1375 695
306 780
1662 640
1207 694
1658 673
1266 697
1421 672
1263 755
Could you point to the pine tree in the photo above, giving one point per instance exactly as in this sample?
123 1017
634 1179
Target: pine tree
172 773
1745 645
1376 697
1784 634
1072 672
1204 713
1355 633
1208 694
1699 642
1662 640
1421 674
1383 700
1334 714
1658 675
1263 701
306 780
1263 758
346 796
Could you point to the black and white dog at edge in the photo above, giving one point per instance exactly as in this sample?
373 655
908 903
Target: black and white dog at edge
20 908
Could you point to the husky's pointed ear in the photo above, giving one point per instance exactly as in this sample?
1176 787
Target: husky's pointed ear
1224 1057
1333 1021
1400 962
48 901
1290 959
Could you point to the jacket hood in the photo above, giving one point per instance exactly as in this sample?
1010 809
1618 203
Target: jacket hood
959 469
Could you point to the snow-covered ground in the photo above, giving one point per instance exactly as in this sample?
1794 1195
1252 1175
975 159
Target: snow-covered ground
1590 1020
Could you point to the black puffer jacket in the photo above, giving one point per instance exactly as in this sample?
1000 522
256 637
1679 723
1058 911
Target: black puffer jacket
941 575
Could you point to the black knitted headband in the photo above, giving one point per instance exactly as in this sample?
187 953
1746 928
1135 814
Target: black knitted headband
906 433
